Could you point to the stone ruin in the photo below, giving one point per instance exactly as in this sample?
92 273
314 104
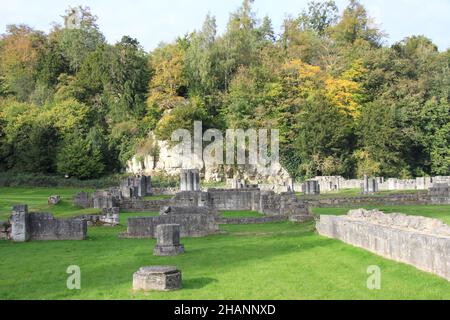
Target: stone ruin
311 188
5 230
168 240
190 180
109 217
191 222
83 200
136 187
54 200
440 193
369 186
26 226
157 278
418 241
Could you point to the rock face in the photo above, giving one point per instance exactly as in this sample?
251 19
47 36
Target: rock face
162 278
168 163
418 241
168 240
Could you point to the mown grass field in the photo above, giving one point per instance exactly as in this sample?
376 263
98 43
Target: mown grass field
270 261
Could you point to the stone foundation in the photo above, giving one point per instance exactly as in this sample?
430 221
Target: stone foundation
418 241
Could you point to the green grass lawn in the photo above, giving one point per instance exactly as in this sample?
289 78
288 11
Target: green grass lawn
36 199
269 261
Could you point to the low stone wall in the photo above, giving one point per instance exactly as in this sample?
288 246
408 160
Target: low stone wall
187 210
253 220
418 241
24 226
417 198
284 204
136 205
234 199
44 227
191 225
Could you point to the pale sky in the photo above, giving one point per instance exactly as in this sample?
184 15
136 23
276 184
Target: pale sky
155 21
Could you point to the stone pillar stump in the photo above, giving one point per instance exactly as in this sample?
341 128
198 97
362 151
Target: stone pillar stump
168 240
157 278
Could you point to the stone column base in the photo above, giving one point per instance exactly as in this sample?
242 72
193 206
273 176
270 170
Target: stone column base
168 251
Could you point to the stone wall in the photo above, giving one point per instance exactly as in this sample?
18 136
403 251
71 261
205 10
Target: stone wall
335 183
191 225
418 198
136 205
237 199
83 200
440 193
285 204
418 241
44 227
252 220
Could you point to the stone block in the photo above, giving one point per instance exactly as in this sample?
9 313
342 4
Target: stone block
20 230
301 218
168 240
54 200
157 278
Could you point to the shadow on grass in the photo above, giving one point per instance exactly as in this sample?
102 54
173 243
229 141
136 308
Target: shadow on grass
198 283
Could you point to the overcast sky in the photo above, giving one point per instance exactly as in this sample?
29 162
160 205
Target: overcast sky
154 21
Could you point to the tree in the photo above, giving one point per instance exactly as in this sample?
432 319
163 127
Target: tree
440 153
78 158
319 16
168 85
20 49
356 24
79 37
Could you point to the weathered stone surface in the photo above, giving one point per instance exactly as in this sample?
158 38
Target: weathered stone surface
83 200
301 218
369 186
110 217
311 187
418 241
54 200
252 220
191 225
168 240
162 278
190 180
440 193
20 227
169 210
43 226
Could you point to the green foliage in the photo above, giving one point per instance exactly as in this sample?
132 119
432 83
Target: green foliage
79 158
344 103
